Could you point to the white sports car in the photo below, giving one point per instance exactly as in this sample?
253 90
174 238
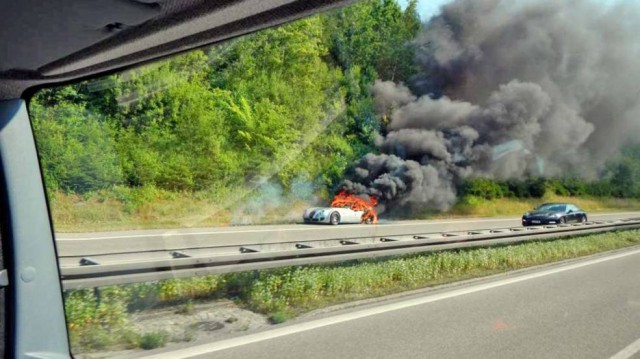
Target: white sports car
332 215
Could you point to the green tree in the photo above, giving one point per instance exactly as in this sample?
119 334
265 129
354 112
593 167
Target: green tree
77 149
376 36
289 103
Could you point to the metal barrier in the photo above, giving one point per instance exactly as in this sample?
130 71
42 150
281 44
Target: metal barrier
156 264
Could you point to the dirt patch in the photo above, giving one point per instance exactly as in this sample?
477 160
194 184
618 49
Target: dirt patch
201 322
206 320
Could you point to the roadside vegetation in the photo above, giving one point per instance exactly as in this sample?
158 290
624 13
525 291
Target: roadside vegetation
480 197
123 208
99 319
277 115
498 207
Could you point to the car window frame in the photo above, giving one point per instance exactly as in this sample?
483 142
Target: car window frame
36 324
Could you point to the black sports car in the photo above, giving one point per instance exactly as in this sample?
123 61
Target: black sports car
554 213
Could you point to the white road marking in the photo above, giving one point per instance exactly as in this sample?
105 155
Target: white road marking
628 352
302 327
306 228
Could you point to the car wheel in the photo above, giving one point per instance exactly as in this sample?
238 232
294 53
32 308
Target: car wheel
583 218
562 220
335 218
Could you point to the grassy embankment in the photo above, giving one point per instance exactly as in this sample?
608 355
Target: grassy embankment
147 208
479 207
151 208
284 293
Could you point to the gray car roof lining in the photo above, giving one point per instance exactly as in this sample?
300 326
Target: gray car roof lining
149 30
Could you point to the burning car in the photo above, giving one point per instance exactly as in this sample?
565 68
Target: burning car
345 208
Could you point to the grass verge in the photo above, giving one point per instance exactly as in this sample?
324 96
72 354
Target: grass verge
470 206
99 319
123 208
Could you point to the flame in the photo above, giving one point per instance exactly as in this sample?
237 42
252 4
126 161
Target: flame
344 199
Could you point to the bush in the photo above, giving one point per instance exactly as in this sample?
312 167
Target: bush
279 317
537 187
599 189
534 188
575 186
154 340
77 149
473 201
557 187
484 188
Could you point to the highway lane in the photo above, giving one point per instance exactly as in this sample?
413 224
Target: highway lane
81 244
437 225
584 309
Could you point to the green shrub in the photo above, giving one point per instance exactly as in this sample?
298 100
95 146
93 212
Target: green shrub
470 200
484 188
153 340
284 292
186 308
279 317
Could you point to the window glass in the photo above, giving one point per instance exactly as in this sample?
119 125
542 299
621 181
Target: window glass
327 132
553 208
251 132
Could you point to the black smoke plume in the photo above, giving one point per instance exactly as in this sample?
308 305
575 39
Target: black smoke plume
507 89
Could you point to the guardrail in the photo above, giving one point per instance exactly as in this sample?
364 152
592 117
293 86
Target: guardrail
152 265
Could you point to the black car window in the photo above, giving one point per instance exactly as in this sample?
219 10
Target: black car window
552 208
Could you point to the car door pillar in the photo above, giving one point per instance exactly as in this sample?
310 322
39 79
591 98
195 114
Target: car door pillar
37 326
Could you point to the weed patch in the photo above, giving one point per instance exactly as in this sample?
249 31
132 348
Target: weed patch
153 340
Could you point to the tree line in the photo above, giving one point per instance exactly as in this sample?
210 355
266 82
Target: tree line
287 103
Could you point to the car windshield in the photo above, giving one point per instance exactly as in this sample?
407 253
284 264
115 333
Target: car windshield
552 208
202 197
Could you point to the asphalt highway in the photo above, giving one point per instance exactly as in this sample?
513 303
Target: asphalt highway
587 308
95 244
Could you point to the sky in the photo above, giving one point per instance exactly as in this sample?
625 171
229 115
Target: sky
429 8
